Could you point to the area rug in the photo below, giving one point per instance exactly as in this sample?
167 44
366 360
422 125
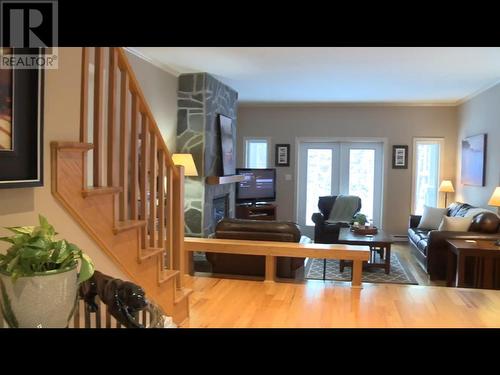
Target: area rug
400 274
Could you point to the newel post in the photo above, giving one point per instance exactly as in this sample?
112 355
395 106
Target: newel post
180 259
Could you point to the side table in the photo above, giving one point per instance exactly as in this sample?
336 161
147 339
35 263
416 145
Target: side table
486 254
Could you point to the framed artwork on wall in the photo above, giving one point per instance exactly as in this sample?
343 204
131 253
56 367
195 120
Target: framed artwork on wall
282 155
21 124
474 160
400 157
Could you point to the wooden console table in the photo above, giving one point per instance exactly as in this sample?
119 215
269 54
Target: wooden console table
487 256
271 250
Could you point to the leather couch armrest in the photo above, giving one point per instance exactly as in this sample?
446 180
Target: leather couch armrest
414 221
318 218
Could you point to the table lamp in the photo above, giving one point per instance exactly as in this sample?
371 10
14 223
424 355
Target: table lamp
187 161
495 201
446 187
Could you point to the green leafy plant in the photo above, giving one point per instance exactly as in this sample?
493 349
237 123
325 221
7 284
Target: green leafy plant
35 250
360 218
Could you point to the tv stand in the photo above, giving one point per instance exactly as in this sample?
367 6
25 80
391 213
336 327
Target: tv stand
256 211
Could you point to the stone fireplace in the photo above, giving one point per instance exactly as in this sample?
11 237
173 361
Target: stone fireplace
220 208
200 99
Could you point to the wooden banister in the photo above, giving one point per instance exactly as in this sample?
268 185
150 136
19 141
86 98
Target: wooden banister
130 153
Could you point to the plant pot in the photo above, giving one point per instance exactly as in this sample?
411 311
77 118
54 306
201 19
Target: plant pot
45 300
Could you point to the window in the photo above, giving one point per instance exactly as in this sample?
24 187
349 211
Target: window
256 153
426 172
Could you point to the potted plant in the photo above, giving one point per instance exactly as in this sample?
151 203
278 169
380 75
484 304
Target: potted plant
39 278
360 219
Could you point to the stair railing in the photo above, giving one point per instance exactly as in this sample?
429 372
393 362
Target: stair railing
130 154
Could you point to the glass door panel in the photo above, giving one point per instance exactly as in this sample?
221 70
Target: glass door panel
362 178
319 179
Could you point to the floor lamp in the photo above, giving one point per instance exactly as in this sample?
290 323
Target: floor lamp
495 201
446 187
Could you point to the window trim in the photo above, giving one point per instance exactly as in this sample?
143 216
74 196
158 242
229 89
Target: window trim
246 140
429 140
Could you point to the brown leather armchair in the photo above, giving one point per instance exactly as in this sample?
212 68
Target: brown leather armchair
257 230
430 247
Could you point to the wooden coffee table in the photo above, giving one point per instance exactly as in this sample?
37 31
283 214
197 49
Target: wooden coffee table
379 243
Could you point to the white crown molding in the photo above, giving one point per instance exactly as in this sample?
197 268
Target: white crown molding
346 104
152 61
477 92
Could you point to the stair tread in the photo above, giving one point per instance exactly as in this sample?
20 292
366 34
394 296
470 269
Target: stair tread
166 275
91 191
150 252
180 294
72 145
121 226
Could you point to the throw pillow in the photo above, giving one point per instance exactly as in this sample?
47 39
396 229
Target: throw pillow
455 224
432 217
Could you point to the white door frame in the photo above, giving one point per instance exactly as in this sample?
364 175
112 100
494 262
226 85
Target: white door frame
385 158
430 140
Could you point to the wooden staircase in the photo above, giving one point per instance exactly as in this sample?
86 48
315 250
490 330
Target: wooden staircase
120 184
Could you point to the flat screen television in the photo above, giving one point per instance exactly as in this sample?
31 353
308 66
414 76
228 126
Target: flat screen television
259 185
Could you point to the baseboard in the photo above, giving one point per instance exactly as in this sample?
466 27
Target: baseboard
400 237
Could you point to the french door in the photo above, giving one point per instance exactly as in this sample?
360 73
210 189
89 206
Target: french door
333 168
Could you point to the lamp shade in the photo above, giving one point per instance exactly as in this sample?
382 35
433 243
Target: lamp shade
446 187
187 161
495 198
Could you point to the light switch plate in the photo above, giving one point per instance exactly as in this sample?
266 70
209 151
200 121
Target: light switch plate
288 177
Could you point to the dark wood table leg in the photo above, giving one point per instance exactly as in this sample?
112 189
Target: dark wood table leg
341 265
460 278
487 280
451 269
387 258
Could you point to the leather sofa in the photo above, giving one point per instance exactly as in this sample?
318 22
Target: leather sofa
327 232
430 247
257 230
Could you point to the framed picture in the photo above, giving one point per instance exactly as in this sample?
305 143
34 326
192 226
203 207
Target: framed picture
474 160
21 123
282 156
400 157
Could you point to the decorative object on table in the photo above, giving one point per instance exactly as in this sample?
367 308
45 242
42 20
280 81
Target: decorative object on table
282 155
474 160
187 161
446 187
495 201
360 218
38 277
123 298
21 124
400 157
361 230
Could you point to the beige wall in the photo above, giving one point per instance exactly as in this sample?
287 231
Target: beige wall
398 124
160 90
479 115
62 111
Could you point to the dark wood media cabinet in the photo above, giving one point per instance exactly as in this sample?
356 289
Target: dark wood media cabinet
257 212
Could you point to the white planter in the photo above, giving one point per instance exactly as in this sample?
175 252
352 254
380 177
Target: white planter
42 301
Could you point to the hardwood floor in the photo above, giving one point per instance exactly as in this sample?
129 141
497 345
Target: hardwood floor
235 303
226 303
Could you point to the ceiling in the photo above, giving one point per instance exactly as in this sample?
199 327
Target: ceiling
420 75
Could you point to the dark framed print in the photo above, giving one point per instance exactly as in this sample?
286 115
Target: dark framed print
400 157
21 123
282 156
